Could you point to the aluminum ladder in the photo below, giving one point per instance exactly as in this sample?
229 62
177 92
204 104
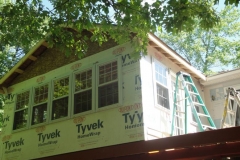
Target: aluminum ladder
194 100
230 108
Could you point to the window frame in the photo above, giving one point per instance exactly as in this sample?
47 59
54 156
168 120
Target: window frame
48 102
52 98
155 82
119 82
76 92
29 110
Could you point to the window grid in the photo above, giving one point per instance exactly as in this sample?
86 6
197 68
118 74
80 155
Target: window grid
162 96
108 94
108 72
83 80
83 92
61 88
41 94
22 100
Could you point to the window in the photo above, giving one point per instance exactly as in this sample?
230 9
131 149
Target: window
83 92
60 101
21 110
162 97
40 105
108 84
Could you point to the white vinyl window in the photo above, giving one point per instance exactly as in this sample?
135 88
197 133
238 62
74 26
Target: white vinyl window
40 104
161 93
60 102
108 86
21 110
83 94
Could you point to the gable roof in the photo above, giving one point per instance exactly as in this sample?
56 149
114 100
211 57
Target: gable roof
41 46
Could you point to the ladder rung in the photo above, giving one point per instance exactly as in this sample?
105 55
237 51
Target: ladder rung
181 100
193 93
189 83
206 126
180 112
231 112
203 115
198 104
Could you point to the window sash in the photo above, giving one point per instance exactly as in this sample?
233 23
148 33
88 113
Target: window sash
40 110
109 92
60 100
21 112
83 92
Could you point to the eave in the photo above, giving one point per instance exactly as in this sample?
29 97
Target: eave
22 65
222 77
174 57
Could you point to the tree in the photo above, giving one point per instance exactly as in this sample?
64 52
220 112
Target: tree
215 47
29 20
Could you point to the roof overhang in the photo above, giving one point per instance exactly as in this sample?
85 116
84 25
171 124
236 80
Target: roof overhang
160 46
22 65
221 77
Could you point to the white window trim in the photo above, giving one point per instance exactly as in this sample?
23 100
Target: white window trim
51 98
166 86
93 91
119 69
29 110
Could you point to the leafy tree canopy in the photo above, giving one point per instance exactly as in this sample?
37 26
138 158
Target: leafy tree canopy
24 21
216 47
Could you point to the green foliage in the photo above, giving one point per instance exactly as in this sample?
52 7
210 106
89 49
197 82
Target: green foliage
29 20
215 47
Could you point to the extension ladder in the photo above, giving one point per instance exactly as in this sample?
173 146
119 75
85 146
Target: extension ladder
230 108
194 100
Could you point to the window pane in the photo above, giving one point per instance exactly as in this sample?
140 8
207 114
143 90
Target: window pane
108 72
20 119
60 108
39 114
61 87
83 80
22 100
41 94
161 74
162 96
83 101
108 95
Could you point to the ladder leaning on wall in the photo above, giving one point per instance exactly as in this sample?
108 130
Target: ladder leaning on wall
230 108
194 100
